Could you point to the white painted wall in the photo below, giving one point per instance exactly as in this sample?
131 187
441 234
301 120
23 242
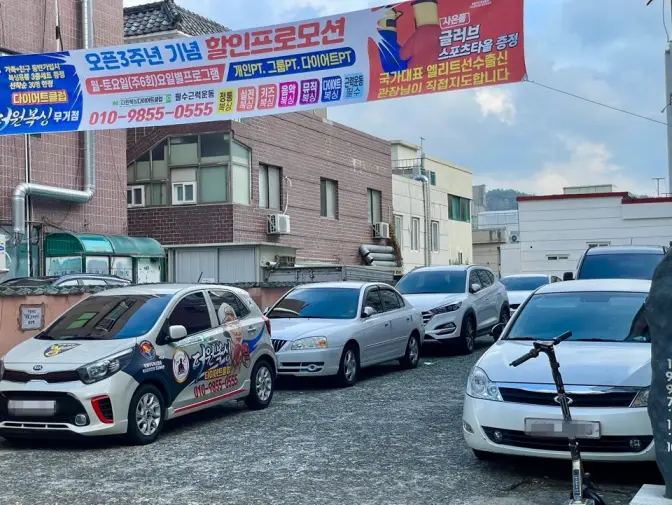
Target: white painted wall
563 228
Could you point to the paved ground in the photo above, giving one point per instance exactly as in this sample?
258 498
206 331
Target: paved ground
395 438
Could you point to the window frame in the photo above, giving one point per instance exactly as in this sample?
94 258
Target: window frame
366 295
208 311
463 208
267 167
370 194
132 190
325 184
415 230
557 257
174 200
436 245
245 311
381 290
399 230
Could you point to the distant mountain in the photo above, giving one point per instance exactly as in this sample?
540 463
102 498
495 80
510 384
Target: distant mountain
503 199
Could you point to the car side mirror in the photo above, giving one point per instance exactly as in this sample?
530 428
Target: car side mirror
568 276
368 312
475 288
176 333
497 330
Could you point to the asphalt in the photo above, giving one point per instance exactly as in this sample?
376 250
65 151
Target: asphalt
395 438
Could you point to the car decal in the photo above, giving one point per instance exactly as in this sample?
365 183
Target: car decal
56 349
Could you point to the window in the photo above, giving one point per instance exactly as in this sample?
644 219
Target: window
619 266
215 148
270 187
459 209
184 193
68 283
220 297
317 303
435 237
415 234
516 283
93 282
150 172
474 278
213 184
375 205
390 299
431 176
486 282
184 150
432 282
135 196
373 300
240 173
399 230
557 257
329 198
192 313
598 244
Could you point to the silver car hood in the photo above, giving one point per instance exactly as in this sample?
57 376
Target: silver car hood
424 302
293 328
581 363
518 297
53 354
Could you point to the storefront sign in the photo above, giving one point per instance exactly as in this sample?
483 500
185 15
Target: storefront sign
406 49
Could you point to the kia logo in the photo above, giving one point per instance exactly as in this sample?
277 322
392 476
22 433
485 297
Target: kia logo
557 400
37 368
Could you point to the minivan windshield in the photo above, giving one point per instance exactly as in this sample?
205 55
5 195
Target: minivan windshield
317 303
523 283
590 316
620 266
433 282
108 318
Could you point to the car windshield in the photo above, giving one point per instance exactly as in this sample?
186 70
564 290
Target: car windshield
433 282
317 303
523 283
594 316
108 318
619 266
30 281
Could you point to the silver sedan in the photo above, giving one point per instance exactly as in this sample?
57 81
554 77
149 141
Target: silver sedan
337 328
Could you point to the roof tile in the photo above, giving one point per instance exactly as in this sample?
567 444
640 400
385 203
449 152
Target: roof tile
164 16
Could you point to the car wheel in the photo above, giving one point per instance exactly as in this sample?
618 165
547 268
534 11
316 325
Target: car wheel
412 356
348 370
484 456
262 387
504 315
146 415
468 335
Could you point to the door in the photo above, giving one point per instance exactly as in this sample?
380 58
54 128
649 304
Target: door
195 354
240 328
478 299
490 298
400 322
376 330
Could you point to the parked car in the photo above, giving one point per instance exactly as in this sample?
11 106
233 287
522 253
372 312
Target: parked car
458 303
520 286
67 280
125 360
606 367
618 262
338 328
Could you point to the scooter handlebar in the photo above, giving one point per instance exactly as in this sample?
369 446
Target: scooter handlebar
562 337
532 354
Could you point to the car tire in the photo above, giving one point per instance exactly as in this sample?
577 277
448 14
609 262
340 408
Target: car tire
348 370
504 315
262 386
412 356
484 456
146 415
467 335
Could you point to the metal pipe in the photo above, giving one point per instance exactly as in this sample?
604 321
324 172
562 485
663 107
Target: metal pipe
26 189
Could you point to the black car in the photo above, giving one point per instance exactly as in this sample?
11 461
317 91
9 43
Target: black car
618 262
67 280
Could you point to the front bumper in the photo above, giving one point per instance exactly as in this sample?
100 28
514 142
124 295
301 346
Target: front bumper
309 362
442 326
618 427
105 405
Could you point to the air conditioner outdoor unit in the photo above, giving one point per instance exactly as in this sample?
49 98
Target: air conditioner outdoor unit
381 230
278 224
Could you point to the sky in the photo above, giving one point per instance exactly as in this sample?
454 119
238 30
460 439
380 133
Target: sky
523 136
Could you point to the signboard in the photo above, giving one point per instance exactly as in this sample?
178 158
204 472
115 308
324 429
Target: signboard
405 49
31 317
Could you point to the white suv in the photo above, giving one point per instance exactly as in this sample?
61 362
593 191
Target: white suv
458 303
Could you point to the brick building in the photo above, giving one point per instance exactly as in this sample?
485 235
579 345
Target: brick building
29 26
205 191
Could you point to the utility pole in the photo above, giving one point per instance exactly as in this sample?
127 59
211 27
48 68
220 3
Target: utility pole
657 181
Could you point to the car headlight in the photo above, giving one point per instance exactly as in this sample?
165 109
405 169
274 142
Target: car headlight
309 343
642 399
104 368
480 386
2 369
446 308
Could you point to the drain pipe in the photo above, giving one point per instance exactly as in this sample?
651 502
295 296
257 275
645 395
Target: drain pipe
26 189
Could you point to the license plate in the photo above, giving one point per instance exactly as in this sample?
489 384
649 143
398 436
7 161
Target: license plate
31 408
560 429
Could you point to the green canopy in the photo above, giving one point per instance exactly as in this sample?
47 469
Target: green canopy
83 244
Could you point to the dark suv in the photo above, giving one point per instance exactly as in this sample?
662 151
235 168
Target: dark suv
618 262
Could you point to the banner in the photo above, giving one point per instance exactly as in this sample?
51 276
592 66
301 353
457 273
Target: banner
405 49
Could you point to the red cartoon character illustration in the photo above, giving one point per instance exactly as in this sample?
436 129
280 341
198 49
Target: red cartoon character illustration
424 46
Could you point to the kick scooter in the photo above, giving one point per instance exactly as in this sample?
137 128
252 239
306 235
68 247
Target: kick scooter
583 492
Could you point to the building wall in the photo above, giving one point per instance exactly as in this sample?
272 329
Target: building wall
307 147
562 227
57 159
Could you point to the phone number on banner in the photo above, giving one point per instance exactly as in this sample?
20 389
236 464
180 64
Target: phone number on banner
216 386
151 114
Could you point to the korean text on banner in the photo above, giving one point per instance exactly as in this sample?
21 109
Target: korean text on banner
410 48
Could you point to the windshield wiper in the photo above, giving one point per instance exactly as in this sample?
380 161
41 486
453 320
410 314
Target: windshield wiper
44 336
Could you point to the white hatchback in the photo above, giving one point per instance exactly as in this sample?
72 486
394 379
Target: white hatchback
605 364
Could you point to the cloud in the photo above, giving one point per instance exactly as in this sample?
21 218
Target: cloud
498 102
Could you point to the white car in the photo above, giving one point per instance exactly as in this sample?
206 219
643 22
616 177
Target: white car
605 364
459 303
520 286
337 328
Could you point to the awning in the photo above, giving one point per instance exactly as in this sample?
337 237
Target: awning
83 244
